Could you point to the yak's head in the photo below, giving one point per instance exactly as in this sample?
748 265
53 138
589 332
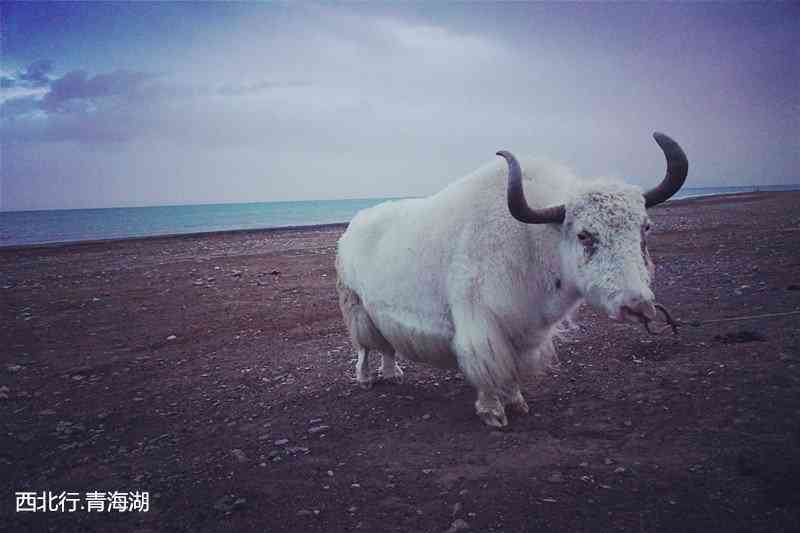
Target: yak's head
604 229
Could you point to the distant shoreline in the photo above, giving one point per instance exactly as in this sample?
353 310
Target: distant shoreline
309 227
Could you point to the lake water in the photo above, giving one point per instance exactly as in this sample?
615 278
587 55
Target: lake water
65 225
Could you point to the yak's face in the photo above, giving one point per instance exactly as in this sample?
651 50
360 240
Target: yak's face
604 253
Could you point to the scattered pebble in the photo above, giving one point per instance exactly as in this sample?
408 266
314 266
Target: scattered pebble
318 429
555 477
281 442
228 503
239 455
171 338
14 368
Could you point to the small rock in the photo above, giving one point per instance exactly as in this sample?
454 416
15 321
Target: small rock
236 273
228 503
555 477
608 461
318 429
239 455
14 368
330 473
620 470
458 524
171 338
305 512
275 272
297 449
315 421
352 509
426 416
456 509
281 442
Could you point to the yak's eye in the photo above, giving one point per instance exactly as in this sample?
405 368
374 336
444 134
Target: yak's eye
585 237
647 227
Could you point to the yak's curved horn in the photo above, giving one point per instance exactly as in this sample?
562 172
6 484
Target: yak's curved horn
677 169
517 204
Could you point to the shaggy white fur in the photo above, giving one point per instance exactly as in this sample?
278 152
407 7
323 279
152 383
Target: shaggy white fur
454 281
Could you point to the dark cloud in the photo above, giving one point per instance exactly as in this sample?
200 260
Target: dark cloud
36 74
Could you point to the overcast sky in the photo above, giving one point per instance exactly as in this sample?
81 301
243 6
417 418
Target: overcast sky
117 104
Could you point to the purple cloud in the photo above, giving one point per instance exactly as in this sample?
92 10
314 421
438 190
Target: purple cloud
76 90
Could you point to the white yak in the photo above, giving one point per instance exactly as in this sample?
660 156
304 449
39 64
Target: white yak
478 276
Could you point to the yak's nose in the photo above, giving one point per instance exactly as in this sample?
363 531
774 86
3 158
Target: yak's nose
639 304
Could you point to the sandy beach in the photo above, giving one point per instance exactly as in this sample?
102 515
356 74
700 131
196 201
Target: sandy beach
215 373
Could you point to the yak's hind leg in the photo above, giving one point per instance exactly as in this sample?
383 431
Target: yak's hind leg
363 376
390 370
363 333
487 359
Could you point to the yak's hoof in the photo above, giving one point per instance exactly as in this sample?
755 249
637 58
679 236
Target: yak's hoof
495 419
395 377
366 383
520 406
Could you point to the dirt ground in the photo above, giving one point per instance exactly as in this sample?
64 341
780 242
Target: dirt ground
214 372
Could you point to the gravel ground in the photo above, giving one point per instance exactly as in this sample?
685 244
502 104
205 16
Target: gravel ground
214 372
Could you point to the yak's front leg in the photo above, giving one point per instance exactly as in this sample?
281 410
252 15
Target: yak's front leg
490 409
487 359
516 401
